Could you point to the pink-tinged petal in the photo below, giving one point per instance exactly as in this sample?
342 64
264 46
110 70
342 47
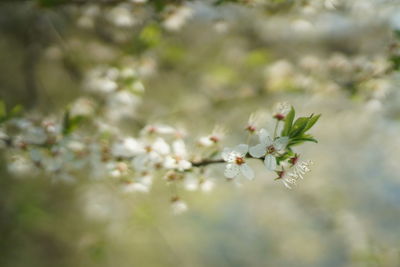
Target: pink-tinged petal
241 149
231 170
270 162
258 151
247 171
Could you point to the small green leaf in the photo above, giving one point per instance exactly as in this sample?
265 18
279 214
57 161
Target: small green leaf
298 127
288 122
313 119
302 139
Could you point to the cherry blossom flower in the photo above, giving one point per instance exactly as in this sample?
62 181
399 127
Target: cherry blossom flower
141 184
236 162
127 147
269 148
178 159
153 155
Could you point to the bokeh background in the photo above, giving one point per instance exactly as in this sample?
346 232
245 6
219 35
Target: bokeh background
207 63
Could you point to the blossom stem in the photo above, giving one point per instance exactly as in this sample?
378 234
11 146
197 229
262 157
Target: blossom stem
276 128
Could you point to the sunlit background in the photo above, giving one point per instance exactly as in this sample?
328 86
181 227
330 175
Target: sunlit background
196 65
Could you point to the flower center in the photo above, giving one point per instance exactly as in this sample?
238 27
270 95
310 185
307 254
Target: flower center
239 160
270 149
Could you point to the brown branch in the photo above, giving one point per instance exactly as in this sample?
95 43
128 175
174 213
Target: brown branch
205 162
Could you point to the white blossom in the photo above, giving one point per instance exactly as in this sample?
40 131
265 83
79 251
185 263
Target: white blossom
178 159
126 148
269 147
154 154
236 162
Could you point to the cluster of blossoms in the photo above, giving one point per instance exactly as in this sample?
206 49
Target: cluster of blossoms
65 149
274 150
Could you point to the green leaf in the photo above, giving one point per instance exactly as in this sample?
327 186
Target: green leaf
313 119
302 139
298 127
288 122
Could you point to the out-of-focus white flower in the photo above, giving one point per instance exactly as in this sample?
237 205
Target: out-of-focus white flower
236 162
121 104
20 166
178 206
214 138
141 184
75 146
102 80
177 18
126 148
193 183
83 106
35 135
157 129
269 147
255 120
152 156
178 159
117 169
121 16
86 20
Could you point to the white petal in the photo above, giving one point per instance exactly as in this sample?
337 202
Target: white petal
140 162
281 143
231 170
179 148
263 136
226 154
170 163
241 149
258 151
161 146
184 165
247 171
270 162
